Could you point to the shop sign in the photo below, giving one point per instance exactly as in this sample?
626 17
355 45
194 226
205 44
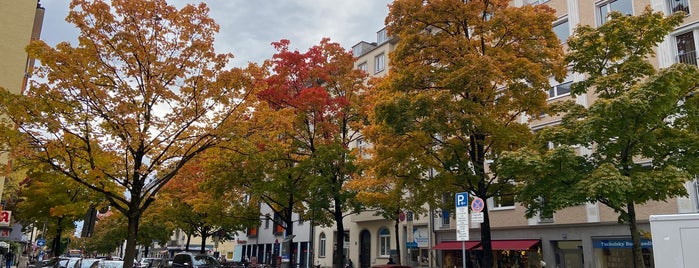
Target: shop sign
421 237
620 243
5 218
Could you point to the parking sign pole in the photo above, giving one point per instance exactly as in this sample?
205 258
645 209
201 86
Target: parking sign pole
462 223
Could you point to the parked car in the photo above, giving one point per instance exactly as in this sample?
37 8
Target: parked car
191 260
110 264
64 262
150 263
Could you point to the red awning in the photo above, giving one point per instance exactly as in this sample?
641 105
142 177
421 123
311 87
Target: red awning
456 245
525 244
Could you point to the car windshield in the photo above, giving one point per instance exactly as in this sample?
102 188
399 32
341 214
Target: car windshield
205 261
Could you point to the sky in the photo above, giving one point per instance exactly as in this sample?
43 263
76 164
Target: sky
248 27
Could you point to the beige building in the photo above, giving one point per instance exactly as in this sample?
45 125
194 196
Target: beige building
583 236
20 22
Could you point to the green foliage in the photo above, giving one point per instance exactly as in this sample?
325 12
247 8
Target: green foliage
638 140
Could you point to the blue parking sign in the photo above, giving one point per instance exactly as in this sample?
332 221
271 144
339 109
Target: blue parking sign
462 199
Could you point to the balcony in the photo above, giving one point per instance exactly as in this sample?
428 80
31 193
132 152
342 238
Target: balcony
688 58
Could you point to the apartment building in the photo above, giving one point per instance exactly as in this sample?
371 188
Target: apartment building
583 236
266 243
20 22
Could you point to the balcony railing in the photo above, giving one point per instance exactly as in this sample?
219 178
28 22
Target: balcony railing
688 58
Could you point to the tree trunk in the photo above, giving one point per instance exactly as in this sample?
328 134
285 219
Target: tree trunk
635 237
395 227
131 235
486 239
204 236
57 240
289 238
339 252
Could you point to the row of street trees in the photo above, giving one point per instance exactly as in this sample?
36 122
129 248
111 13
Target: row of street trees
145 117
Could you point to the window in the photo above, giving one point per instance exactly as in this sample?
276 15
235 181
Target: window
560 90
381 36
562 29
267 221
379 63
252 232
623 6
362 66
447 199
545 217
278 225
357 50
384 242
678 5
535 2
504 201
686 48
321 247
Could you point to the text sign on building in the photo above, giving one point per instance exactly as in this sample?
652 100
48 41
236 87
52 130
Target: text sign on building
462 216
5 218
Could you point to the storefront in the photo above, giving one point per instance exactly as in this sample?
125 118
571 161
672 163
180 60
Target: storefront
524 253
616 252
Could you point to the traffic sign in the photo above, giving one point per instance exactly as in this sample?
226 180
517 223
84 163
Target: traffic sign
462 216
462 200
41 242
477 204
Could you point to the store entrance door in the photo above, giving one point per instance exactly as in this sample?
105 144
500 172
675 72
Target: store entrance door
569 254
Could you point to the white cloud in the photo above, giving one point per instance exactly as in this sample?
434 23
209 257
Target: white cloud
249 27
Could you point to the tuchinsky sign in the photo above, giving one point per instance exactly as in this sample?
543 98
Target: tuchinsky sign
620 243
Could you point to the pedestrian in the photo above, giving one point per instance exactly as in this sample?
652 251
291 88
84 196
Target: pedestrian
8 258
349 264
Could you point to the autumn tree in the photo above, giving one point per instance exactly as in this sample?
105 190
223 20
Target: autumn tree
383 186
642 130
463 76
111 229
121 112
192 203
62 202
300 165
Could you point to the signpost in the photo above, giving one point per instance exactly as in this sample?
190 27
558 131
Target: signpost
477 206
462 222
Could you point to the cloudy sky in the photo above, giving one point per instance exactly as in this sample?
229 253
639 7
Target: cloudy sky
248 27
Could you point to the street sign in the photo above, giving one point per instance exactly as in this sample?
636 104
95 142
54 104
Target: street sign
462 200
477 217
477 204
462 216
